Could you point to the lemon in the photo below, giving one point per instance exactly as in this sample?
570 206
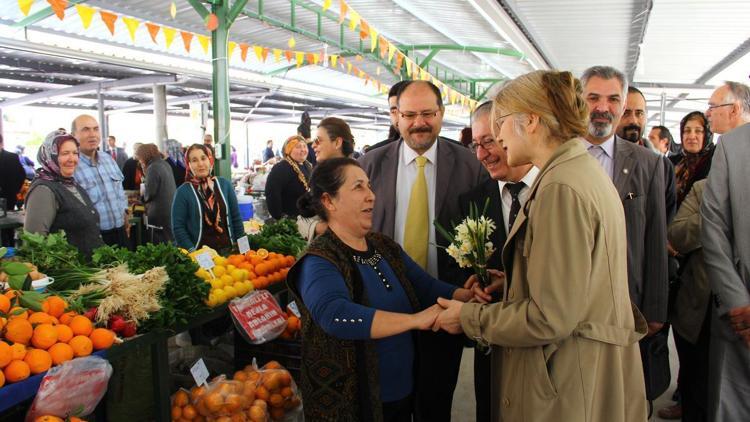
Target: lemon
220 295
249 285
239 275
227 280
202 273
230 291
240 288
217 283
219 270
230 268
220 260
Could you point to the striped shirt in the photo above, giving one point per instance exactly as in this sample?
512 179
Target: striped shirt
102 181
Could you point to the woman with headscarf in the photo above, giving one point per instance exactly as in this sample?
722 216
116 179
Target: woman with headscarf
690 310
55 201
205 210
158 193
288 179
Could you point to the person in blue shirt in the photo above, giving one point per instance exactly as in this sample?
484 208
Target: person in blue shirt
362 301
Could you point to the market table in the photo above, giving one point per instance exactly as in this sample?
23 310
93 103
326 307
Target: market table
12 220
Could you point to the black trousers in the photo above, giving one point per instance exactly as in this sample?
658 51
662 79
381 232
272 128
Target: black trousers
482 389
399 410
437 373
115 237
693 373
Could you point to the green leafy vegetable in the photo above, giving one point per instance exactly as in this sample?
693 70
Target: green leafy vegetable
281 237
56 258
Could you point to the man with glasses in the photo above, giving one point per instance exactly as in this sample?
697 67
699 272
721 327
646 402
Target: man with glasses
726 251
417 180
638 176
507 191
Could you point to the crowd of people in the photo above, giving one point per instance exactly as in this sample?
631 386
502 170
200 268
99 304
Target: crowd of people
606 237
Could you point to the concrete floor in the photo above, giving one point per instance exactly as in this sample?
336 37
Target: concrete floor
464 401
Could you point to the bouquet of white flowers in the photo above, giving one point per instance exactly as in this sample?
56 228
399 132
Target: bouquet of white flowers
470 242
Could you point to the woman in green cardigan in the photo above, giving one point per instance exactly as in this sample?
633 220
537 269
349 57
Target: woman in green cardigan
205 210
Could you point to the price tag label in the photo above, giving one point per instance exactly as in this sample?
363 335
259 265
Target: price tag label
199 372
243 244
205 261
294 309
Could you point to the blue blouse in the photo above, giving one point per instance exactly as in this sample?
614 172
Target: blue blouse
324 292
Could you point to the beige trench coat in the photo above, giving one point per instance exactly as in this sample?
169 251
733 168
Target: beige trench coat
565 336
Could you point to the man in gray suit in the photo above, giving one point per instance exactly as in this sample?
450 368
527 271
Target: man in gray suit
638 175
449 170
118 154
726 251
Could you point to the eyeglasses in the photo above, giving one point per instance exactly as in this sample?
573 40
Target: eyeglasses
487 145
500 120
426 115
711 107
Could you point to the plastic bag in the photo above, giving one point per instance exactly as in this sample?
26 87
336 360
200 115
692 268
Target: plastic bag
73 388
283 398
258 316
227 398
182 408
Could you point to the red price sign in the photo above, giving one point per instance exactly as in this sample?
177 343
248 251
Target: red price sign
259 316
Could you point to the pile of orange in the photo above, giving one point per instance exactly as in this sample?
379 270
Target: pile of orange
53 418
293 326
252 395
265 267
33 342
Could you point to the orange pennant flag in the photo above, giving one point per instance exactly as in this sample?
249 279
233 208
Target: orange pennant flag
86 13
288 55
342 13
109 20
310 58
364 29
58 6
169 34
25 6
258 50
243 51
264 54
132 24
276 55
187 38
383 47
203 41
153 30
300 57
399 62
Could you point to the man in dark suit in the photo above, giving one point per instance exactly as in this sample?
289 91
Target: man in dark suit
11 180
503 200
118 154
433 172
638 175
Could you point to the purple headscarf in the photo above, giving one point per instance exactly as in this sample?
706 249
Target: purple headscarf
47 157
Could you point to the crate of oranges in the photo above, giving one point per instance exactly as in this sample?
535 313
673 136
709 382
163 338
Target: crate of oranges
254 395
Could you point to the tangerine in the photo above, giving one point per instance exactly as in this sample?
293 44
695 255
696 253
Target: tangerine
213 402
60 352
40 318
6 355
48 418
17 370
180 398
262 393
189 412
176 413
4 304
18 312
81 325
2 379
19 331
81 345
64 333
45 335
54 305
276 400
67 316
38 360
17 351
102 338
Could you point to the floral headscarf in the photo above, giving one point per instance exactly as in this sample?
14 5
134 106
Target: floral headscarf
47 157
211 206
693 166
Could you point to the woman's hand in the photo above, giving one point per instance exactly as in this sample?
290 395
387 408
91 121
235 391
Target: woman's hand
463 295
497 283
424 320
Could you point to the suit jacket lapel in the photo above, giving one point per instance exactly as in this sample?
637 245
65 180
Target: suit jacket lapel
386 191
444 169
623 168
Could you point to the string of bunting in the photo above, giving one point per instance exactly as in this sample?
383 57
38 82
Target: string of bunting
387 50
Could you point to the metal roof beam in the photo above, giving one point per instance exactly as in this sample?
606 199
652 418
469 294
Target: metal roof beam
42 14
321 113
456 47
88 88
668 85
184 100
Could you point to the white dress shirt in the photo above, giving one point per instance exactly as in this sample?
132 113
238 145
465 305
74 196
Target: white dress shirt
607 159
407 173
523 196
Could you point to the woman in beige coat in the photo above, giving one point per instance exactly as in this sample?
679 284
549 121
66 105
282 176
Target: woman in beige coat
564 336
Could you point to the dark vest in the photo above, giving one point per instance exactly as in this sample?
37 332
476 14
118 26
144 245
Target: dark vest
79 221
339 379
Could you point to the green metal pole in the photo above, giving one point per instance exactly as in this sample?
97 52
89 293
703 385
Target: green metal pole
220 89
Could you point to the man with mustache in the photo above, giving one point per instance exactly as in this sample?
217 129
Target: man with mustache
638 176
417 180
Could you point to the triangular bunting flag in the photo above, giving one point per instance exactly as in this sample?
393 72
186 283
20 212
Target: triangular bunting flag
231 45
187 39
344 8
353 20
408 66
399 61
292 42
310 58
333 58
299 57
25 6
391 51
415 71
423 74
204 41
109 20
288 54
243 51
258 50
453 95
86 13
326 4
364 29
276 55
264 54
132 24
348 67
383 46
58 6
373 39
153 30
169 34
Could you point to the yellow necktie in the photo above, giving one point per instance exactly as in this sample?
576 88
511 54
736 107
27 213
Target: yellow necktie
416 232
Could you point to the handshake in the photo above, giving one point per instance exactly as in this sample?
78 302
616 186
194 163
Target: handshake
446 313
